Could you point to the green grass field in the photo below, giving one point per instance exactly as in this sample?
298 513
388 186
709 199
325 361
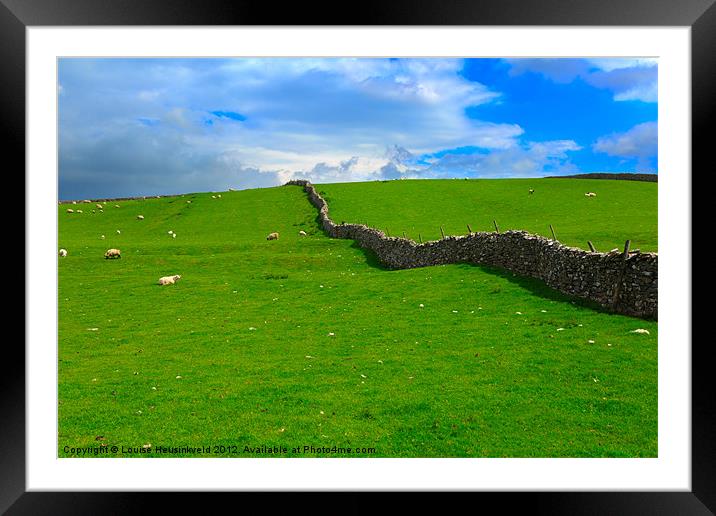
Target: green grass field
621 210
307 341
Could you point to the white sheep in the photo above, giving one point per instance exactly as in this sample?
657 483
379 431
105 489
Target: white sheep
80 211
119 232
169 280
590 194
63 252
113 253
302 233
140 217
272 236
70 210
99 206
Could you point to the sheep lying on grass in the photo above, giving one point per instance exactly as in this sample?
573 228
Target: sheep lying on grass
63 252
140 217
113 253
590 194
302 233
169 280
70 210
272 236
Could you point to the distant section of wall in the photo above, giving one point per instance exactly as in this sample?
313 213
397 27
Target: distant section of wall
652 178
625 285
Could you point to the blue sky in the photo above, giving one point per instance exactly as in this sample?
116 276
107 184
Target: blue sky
159 126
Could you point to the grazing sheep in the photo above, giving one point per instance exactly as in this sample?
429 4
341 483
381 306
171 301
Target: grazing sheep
213 196
532 190
169 280
140 217
272 236
218 195
99 206
116 205
80 211
70 210
302 233
63 252
101 237
119 232
590 194
113 253
188 202
174 235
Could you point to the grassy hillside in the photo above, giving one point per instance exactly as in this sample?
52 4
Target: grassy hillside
306 341
621 210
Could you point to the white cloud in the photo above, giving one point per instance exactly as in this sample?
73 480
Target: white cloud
296 115
532 159
626 78
640 142
608 64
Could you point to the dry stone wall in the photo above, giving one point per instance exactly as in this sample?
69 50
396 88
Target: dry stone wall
622 284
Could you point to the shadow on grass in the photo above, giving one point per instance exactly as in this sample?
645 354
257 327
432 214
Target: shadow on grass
533 285
371 258
541 289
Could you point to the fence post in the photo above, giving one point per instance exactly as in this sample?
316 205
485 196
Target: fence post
420 238
618 286
469 229
442 232
591 246
496 228
554 237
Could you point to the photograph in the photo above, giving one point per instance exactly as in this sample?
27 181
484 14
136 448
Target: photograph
357 257
414 253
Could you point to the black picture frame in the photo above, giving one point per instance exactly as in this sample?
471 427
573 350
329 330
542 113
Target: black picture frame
700 15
